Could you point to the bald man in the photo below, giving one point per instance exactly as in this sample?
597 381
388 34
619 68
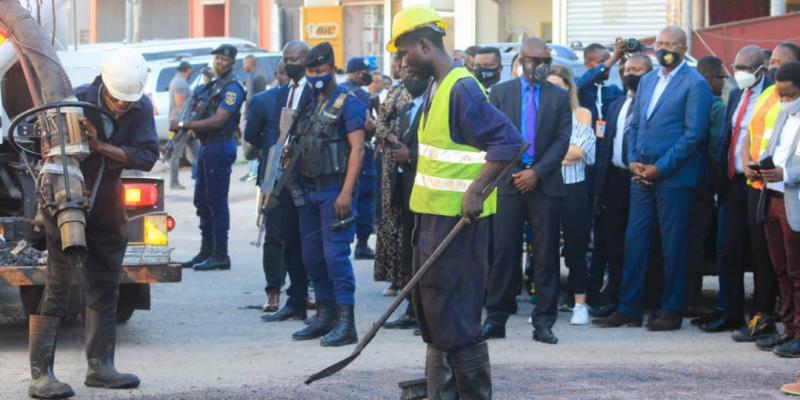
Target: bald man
542 113
744 242
666 145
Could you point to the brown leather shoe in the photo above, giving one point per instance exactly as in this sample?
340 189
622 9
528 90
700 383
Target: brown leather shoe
616 320
273 302
791 388
666 321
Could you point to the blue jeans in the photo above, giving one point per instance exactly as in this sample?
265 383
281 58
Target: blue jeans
214 163
326 253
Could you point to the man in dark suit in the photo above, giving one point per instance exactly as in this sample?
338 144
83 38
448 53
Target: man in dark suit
668 126
612 190
744 241
542 113
282 251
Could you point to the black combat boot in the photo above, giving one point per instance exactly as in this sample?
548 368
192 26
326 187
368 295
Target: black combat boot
439 373
345 331
472 371
320 326
42 338
100 343
206 248
363 251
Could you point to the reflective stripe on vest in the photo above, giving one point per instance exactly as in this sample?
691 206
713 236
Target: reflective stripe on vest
445 169
762 124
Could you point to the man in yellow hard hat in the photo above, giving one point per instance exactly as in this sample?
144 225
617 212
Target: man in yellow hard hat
464 143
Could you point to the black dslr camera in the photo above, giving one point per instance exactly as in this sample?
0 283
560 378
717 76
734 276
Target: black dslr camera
633 46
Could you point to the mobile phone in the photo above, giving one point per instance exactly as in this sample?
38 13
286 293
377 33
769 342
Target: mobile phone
767 163
755 167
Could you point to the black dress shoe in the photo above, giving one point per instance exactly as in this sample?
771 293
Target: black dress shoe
544 335
200 257
616 320
284 314
404 322
363 252
788 349
666 321
712 316
603 310
721 324
492 331
767 343
214 262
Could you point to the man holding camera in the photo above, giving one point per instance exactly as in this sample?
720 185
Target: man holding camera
593 92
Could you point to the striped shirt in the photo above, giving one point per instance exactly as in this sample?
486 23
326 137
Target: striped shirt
583 137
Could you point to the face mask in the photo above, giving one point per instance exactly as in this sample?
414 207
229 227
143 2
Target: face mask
318 83
631 81
538 73
668 58
772 72
791 107
295 72
745 79
367 79
487 77
416 87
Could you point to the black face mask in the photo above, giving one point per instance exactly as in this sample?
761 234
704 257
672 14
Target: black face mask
367 78
772 72
487 77
668 58
538 73
631 82
416 87
295 72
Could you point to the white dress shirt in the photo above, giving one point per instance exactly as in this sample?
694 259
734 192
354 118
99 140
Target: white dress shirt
619 139
298 93
661 85
744 128
784 148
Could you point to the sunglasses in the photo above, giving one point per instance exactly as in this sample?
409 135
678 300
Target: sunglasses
535 60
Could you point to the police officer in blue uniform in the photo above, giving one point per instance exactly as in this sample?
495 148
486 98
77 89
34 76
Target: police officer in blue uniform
329 139
221 100
358 75
133 145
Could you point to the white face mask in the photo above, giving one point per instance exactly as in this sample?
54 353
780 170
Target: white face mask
745 79
791 107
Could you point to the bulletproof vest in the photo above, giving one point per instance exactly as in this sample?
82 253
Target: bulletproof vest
217 88
323 152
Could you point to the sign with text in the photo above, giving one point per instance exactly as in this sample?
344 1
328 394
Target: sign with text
325 24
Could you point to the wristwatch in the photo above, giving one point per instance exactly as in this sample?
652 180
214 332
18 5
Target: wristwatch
181 125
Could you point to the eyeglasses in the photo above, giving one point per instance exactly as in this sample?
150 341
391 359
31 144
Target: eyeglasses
535 60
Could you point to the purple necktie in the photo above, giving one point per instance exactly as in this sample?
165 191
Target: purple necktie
530 123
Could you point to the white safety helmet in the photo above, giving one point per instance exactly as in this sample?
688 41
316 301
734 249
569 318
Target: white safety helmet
124 74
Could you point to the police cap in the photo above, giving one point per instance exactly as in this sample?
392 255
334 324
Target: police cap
357 64
226 50
320 54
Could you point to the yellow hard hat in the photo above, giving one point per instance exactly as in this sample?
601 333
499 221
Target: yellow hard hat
411 18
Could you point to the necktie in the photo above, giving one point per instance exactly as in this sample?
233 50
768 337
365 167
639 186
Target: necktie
290 104
530 128
735 134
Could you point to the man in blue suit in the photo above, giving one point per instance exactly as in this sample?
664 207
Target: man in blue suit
665 155
282 252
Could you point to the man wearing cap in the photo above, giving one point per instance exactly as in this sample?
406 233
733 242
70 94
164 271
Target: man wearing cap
221 101
133 145
179 92
464 143
329 142
358 75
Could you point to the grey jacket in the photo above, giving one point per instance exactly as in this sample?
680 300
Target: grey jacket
791 173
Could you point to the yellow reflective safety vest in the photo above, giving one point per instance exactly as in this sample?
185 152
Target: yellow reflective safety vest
445 169
762 124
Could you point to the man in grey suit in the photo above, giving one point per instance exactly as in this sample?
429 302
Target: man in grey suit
542 113
780 168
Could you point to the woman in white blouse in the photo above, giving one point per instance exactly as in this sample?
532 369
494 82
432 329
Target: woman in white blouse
576 211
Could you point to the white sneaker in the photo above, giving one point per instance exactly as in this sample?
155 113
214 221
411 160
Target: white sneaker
580 315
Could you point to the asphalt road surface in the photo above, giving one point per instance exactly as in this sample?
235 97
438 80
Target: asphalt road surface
202 341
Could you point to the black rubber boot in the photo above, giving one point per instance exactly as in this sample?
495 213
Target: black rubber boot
345 331
472 371
100 344
439 373
206 248
363 251
42 339
320 326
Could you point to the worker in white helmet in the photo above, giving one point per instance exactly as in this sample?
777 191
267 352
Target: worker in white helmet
132 144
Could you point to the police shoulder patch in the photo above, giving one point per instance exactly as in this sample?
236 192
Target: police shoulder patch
230 98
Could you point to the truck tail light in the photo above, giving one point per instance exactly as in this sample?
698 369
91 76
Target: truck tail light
138 195
155 230
170 223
